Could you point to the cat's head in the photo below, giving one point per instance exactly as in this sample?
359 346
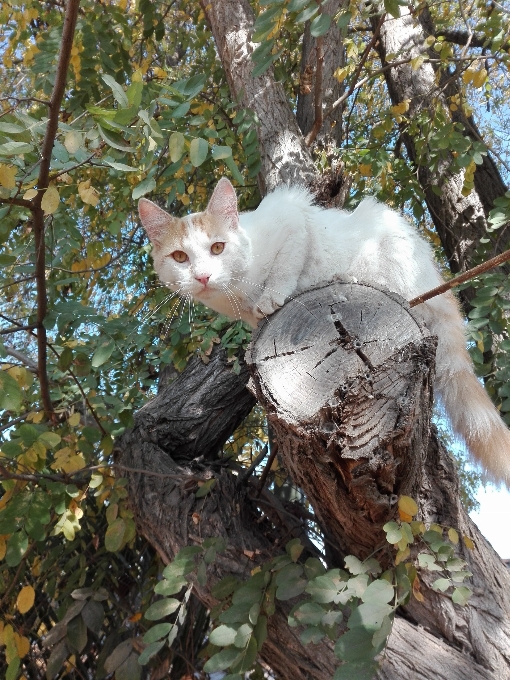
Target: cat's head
200 253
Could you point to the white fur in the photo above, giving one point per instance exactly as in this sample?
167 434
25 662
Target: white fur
288 245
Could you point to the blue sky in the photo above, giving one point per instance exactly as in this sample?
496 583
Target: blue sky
493 518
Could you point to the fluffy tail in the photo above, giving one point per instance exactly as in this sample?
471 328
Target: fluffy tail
473 415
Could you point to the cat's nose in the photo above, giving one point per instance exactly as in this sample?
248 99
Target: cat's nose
204 279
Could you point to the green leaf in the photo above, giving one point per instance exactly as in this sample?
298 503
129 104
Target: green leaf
77 633
58 655
176 146
243 635
114 140
247 595
229 162
16 548
322 589
160 630
320 25
146 186
198 151
118 656
150 651
114 537
225 587
223 636
309 613
307 13
93 615
10 393
134 93
369 615
118 93
11 129
205 488
181 110
15 148
130 669
379 592
103 353
312 634
355 645
393 532
354 565
170 586
218 152
297 5
392 7
12 669
120 166
162 608
51 439
461 595
222 660
441 584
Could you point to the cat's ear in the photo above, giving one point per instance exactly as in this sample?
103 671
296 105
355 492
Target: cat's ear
156 221
223 203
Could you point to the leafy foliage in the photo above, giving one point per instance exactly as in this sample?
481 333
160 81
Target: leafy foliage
147 111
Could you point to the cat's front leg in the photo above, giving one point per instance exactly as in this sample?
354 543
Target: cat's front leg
282 279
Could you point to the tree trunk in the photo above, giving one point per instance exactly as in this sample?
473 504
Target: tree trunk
344 373
284 155
354 433
460 220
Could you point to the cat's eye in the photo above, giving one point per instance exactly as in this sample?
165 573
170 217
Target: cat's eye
217 248
179 256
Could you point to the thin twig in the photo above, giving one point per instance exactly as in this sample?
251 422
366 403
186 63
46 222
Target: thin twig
462 278
243 476
17 281
354 84
70 17
21 357
319 117
274 451
17 329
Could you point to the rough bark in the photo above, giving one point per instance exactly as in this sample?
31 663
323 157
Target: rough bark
334 57
350 461
284 155
344 373
459 220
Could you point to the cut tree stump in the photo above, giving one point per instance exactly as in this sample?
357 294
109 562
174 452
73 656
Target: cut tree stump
344 374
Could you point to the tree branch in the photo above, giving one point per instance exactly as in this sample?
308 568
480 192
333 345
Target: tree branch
71 15
317 123
29 363
462 278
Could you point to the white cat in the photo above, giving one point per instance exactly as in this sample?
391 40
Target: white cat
246 266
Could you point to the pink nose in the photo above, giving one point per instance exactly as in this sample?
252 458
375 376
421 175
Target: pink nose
203 279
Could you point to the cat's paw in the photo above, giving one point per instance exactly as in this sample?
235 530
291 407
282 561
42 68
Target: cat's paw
267 306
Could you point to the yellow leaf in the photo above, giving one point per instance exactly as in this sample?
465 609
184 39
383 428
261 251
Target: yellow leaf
22 645
401 108
72 141
31 193
7 175
341 74
50 200
417 62
365 170
3 547
74 420
408 505
453 536
88 194
25 599
402 555
468 543
480 77
404 516
468 75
